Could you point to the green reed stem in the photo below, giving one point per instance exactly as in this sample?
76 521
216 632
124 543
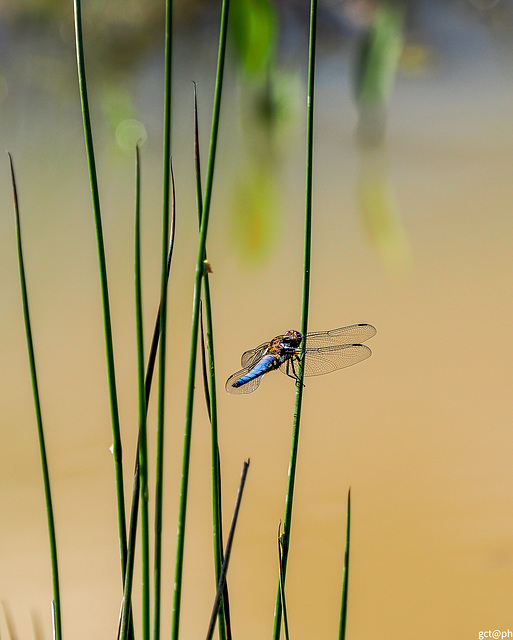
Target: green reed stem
142 408
141 473
304 311
159 469
125 627
39 418
345 574
134 509
182 509
109 351
226 560
282 586
212 400
150 368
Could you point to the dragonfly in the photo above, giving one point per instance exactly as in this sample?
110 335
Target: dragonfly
322 352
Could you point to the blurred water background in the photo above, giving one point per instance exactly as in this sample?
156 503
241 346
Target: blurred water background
412 233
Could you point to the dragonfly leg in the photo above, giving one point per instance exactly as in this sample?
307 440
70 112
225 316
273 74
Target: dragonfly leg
288 367
295 376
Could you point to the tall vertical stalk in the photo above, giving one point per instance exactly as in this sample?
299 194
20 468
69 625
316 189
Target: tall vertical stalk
182 508
142 410
287 521
56 610
345 574
141 470
217 528
109 350
139 480
159 470
282 586
226 560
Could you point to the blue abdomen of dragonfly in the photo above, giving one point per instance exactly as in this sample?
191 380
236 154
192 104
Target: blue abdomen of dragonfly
265 364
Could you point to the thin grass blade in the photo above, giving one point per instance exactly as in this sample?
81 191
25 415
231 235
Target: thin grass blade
148 378
125 626
228 551
209 383
159 470
204 370
109 349
39 416
282 585
304 311
142 408
345 573
141 476
182 508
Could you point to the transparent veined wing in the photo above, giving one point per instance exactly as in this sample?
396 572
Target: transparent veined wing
327 359
251 357
355 333
248 387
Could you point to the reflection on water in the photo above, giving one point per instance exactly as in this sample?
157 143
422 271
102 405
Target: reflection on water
421 431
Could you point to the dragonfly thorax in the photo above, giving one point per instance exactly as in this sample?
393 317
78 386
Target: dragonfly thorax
284 347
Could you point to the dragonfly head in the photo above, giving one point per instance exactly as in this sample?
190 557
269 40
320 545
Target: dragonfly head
292 339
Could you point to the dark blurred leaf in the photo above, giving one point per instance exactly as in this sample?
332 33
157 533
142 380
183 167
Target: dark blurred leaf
376 62
254 26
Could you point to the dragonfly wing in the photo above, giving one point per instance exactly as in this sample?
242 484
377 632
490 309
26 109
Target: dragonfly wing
328 359
248 387
251 357
352 334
